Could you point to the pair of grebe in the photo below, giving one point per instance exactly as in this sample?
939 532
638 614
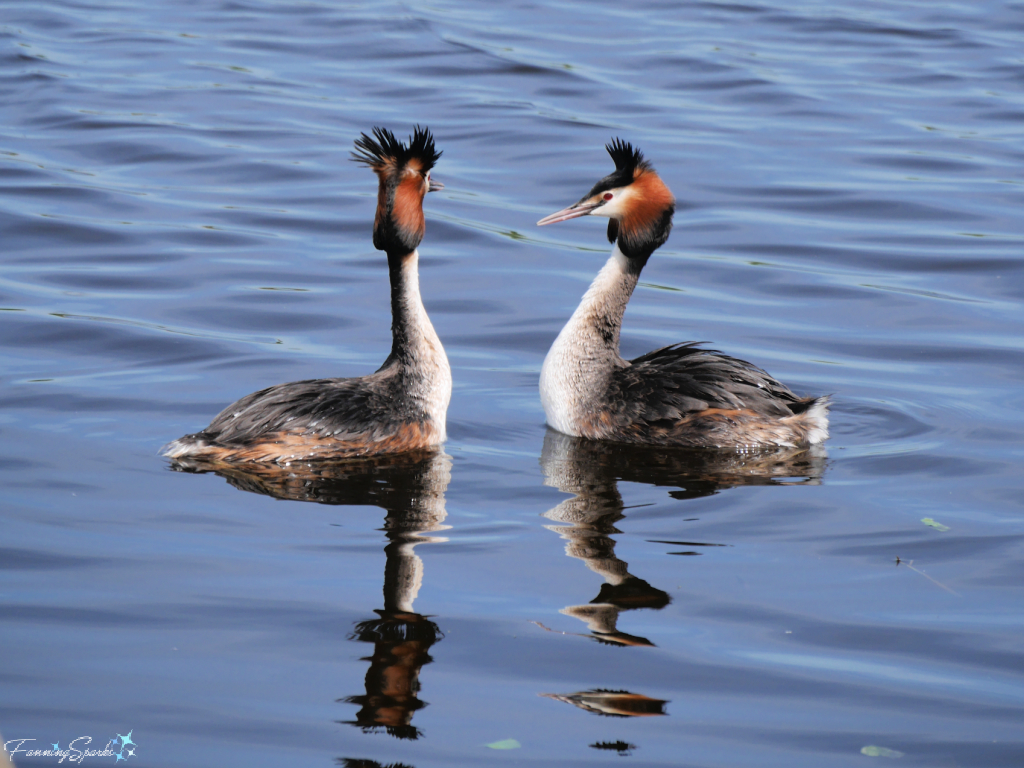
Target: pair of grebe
680 395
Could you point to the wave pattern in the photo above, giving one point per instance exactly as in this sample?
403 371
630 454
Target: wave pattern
180 225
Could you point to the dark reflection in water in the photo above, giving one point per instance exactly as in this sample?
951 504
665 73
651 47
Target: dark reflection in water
400 636
411 488
612 703
592 470
348 762
414 482
624 748
180 225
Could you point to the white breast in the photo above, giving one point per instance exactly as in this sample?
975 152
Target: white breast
433 389
560 384
578 361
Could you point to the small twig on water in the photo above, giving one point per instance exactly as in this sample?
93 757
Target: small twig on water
910 565
558 631
549 629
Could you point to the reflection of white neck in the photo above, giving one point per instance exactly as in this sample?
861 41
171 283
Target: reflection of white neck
591 513
587 349
599 617
403 570
410 578
403 574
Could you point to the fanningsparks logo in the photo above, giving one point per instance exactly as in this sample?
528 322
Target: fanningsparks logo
120 748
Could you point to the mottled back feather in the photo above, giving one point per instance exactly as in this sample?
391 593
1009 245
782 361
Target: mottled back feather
343 409
670 383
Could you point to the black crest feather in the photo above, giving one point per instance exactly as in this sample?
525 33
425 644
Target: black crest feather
384 149
626 159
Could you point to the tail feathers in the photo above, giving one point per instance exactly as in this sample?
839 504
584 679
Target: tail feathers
815 419
189 445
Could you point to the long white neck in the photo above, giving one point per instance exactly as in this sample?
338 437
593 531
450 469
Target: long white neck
587 349
415 345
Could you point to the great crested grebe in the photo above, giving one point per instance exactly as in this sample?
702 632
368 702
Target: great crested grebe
399 408
678 395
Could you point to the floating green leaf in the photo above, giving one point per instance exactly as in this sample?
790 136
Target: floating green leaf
933 524
505 744
873 751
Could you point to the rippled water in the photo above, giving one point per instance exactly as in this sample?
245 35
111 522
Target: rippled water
180 226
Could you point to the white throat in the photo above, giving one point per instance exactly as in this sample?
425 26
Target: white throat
431 382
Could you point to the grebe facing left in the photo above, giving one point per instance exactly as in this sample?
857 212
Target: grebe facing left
399 408
679 395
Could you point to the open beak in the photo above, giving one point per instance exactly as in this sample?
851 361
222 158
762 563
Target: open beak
582 208
434 186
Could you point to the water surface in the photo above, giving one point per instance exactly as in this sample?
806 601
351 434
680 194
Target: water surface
180 226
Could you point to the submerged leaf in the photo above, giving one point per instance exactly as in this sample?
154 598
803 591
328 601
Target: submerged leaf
505 744
933 524
873 751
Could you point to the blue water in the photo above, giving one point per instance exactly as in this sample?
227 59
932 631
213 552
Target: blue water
180 225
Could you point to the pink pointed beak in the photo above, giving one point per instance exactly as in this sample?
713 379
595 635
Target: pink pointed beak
434 185
572 212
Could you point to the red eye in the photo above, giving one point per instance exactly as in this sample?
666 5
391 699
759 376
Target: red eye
608 195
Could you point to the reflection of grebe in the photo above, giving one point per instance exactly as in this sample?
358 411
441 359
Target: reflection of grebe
591 470
400 636
399 408
413 494
411 488
678 395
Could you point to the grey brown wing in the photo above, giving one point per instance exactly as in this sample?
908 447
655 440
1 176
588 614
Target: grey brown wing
671 383
341 409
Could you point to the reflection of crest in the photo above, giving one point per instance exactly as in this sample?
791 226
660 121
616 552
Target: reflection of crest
624 748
